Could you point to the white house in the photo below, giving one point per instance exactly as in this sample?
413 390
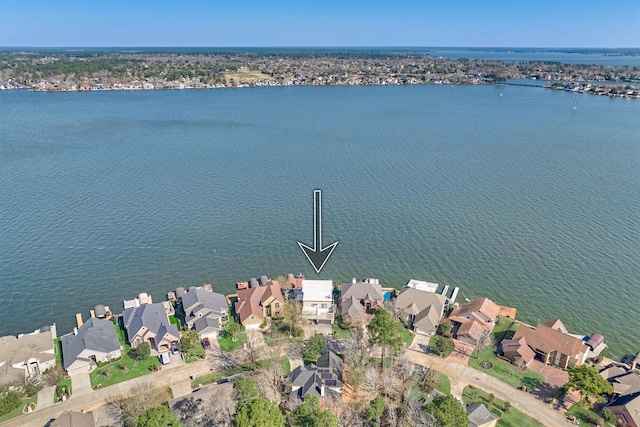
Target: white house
27 354
317 299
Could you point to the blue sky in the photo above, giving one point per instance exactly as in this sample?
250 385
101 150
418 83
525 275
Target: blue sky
483 23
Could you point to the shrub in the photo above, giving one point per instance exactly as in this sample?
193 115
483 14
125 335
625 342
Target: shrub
608 416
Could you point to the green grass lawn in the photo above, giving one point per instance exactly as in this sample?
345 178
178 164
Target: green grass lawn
584 415
227 344
64 382
57 343
117 374
18 410
286 365
407 336
340 333
444 385
175 321
196 353
504 371
504 327
513 418
215 376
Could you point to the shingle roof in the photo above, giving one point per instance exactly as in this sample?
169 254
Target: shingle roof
363 290
73 419
151 316
631 402
426 306
546 339
479 414
198 299
482 309
353 308
250 299
94 334
14 350
514 349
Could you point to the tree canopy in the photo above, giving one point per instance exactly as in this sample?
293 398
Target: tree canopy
141 352
442 345
309 414
588 381
259 412
448 411
315 346
384 331
159 416
246 389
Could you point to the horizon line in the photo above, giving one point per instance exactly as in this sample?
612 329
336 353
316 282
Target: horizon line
308 47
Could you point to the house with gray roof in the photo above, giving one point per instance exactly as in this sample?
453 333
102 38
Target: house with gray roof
73 419
357 300
149 323
94 342
423 309
27 355
205 311
480 416
323 379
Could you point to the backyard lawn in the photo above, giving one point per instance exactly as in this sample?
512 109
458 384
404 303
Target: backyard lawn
227 344
340 333
504 328
507 419
504 371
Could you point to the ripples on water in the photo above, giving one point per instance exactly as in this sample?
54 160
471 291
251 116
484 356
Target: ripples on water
519 198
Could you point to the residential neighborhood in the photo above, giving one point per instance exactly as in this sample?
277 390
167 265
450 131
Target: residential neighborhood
199 341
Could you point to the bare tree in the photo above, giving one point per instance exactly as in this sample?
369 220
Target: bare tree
253 349
220 409
292 313
486 340
273 372
53 376
128 408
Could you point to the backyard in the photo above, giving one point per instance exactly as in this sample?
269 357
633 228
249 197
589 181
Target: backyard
505 328
509 417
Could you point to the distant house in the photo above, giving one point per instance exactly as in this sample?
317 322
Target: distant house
73 419
550 342
480 416
317 300
323 379
258 303
93 342
473 319
149 323
357 300
27 354
423 308
205 311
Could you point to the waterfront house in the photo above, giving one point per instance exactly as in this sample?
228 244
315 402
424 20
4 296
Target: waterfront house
357 300
317 300
205 311
149 323
423 309
550 342
73 418
258 302
27 355
322 379
474 319
92 343
627 410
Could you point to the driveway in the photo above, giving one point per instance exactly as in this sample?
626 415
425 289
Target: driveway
554 378
45 396
80 384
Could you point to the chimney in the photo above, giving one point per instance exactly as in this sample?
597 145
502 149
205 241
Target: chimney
75 331
353 280
322 390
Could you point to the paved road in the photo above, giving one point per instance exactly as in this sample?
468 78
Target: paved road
98 398
461 376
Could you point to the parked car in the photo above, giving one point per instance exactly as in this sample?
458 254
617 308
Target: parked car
165 358
222 381
206 343
175 349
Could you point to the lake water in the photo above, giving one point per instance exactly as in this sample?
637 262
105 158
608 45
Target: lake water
518 198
